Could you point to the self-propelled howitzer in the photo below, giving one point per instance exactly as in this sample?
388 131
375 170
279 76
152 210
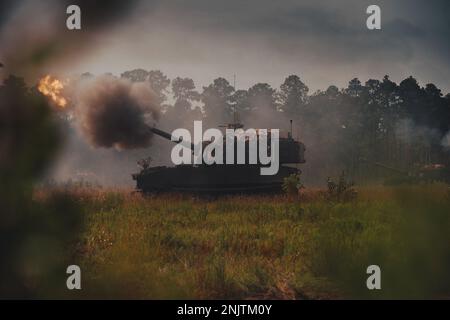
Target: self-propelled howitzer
222 178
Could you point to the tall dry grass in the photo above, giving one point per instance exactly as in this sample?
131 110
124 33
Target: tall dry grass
306 247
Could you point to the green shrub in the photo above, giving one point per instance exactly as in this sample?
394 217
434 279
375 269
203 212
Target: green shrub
292 184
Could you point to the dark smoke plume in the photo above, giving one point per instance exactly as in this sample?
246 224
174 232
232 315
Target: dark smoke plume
116 113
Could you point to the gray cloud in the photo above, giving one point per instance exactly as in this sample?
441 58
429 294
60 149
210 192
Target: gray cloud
261 40
326 43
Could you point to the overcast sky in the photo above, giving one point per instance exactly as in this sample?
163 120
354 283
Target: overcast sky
324 42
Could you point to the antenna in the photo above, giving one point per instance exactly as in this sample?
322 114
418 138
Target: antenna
234 107
291 129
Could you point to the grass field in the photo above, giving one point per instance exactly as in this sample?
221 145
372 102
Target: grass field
272 247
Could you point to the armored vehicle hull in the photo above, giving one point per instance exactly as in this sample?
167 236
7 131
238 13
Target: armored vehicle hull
220 178
213 179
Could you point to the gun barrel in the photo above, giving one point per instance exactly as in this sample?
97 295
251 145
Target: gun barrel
168 136
161 133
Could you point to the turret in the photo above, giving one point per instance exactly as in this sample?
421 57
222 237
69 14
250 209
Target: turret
290 151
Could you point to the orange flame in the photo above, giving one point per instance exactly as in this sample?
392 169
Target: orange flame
52 87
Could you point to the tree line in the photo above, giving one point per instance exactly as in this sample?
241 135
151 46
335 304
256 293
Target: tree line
401 126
